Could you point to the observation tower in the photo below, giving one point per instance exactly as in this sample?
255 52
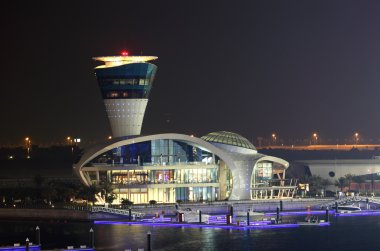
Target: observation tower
125 83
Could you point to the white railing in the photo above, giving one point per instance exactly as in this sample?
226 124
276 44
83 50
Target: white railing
352 199
117 211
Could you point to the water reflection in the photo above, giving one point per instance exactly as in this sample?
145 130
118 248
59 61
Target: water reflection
348 233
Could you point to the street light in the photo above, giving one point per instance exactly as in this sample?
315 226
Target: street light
315 137
70 143
109 137
28 143
356 135
274 138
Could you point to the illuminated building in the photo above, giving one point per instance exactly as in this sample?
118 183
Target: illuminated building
171 167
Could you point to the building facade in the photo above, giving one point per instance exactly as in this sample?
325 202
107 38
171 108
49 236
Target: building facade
334 169
171 167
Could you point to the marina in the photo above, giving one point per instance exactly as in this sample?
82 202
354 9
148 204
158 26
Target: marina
121 235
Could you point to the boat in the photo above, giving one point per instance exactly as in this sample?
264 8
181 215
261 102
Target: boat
244 213
312 221
193 216
348 209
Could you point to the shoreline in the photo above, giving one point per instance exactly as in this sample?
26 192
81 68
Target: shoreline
207 208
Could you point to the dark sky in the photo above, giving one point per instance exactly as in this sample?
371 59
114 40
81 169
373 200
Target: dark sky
252 67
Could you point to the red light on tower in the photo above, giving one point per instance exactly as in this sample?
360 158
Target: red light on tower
124 53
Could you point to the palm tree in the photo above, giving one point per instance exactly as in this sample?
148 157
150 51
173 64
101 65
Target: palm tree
110 198
325 183
90 192
341 183
106 190
126 202
349 177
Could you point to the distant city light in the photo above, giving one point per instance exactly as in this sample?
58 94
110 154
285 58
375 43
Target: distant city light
109 137
77 140
124 53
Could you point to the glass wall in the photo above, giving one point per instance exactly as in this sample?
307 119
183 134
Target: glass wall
167 195
126 81
162 170
173 176
156 152
263 174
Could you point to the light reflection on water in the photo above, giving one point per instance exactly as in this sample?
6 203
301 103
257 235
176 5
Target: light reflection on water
345 233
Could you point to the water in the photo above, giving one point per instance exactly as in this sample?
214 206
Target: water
345 233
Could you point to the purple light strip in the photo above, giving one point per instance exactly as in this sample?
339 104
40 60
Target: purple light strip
361 213
301 213
200 225
21 248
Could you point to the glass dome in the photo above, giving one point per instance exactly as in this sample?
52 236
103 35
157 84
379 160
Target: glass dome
228 138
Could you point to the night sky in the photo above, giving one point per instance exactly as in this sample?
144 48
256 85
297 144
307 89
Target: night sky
251 67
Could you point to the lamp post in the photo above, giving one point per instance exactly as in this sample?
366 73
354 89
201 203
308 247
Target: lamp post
315 137
356 136
28 143
70 143
274 138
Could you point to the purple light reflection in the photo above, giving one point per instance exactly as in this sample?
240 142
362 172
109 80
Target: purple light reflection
189 225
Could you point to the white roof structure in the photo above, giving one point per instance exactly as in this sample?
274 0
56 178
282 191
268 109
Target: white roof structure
241 161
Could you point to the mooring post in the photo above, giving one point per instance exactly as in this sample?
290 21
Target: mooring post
38 236
281 206
200 216
278 215
130 214
148 239
327 215
336 207
248 217
92 239
228 219
232 210
27 244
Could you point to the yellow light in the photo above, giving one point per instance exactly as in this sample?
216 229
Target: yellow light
315 135
112 61
109 137
27 139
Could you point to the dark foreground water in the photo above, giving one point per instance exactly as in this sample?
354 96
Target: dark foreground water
345 233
